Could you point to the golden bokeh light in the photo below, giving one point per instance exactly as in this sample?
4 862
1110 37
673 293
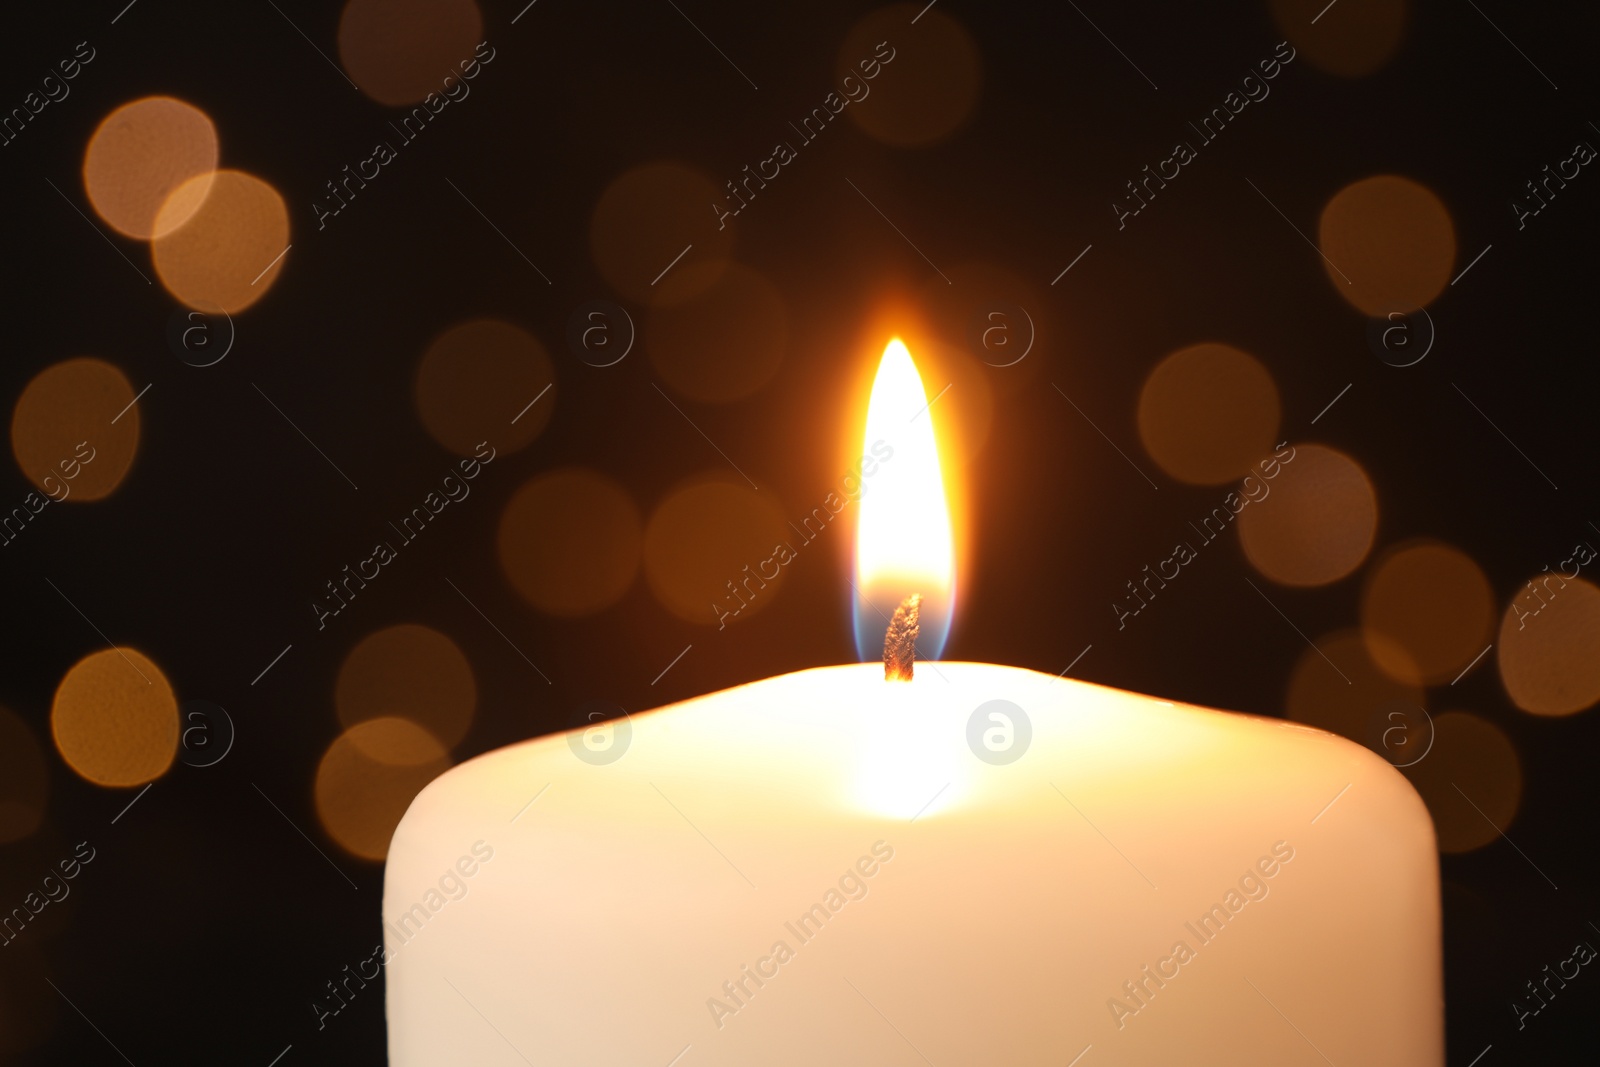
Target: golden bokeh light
63 433
229 251
1549 647
24 779
1433 601
1389 243
1337 686
475 382
115 718
1319 522
399 51
139 155
569 541
911 96
410 672
1471 781
646 220
369 776
1351 39
716 550
1207 413
724 343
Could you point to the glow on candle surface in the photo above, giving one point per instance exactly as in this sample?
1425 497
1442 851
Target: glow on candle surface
980 865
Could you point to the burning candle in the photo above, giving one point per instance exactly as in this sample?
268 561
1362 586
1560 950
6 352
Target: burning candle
916 862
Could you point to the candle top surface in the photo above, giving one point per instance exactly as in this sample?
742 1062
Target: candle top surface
958 738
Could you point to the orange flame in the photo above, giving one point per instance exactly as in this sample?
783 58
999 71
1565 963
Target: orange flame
903 543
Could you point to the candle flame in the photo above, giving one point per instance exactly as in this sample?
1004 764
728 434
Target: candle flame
903 542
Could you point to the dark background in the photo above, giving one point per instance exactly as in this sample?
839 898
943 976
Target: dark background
206 925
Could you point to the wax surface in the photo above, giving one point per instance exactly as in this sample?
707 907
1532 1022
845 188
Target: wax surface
817 868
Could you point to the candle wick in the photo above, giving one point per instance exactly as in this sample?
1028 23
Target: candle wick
900 640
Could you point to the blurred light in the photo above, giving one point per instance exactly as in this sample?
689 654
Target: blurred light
62 431
928 87
904 543
229 251
1389 243
410 672
369 776
724 343
646 220
1351 39
115 719
1207 413
1433 601
569 542
1549 646
1471 781
139 155
1337 686
715 544
1318 524
24 779
399 51
475 383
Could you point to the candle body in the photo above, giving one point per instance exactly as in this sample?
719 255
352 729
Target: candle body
826 867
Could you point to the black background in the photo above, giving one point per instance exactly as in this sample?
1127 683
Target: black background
206 925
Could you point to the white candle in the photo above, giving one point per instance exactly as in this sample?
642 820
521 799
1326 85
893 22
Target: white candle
831 867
